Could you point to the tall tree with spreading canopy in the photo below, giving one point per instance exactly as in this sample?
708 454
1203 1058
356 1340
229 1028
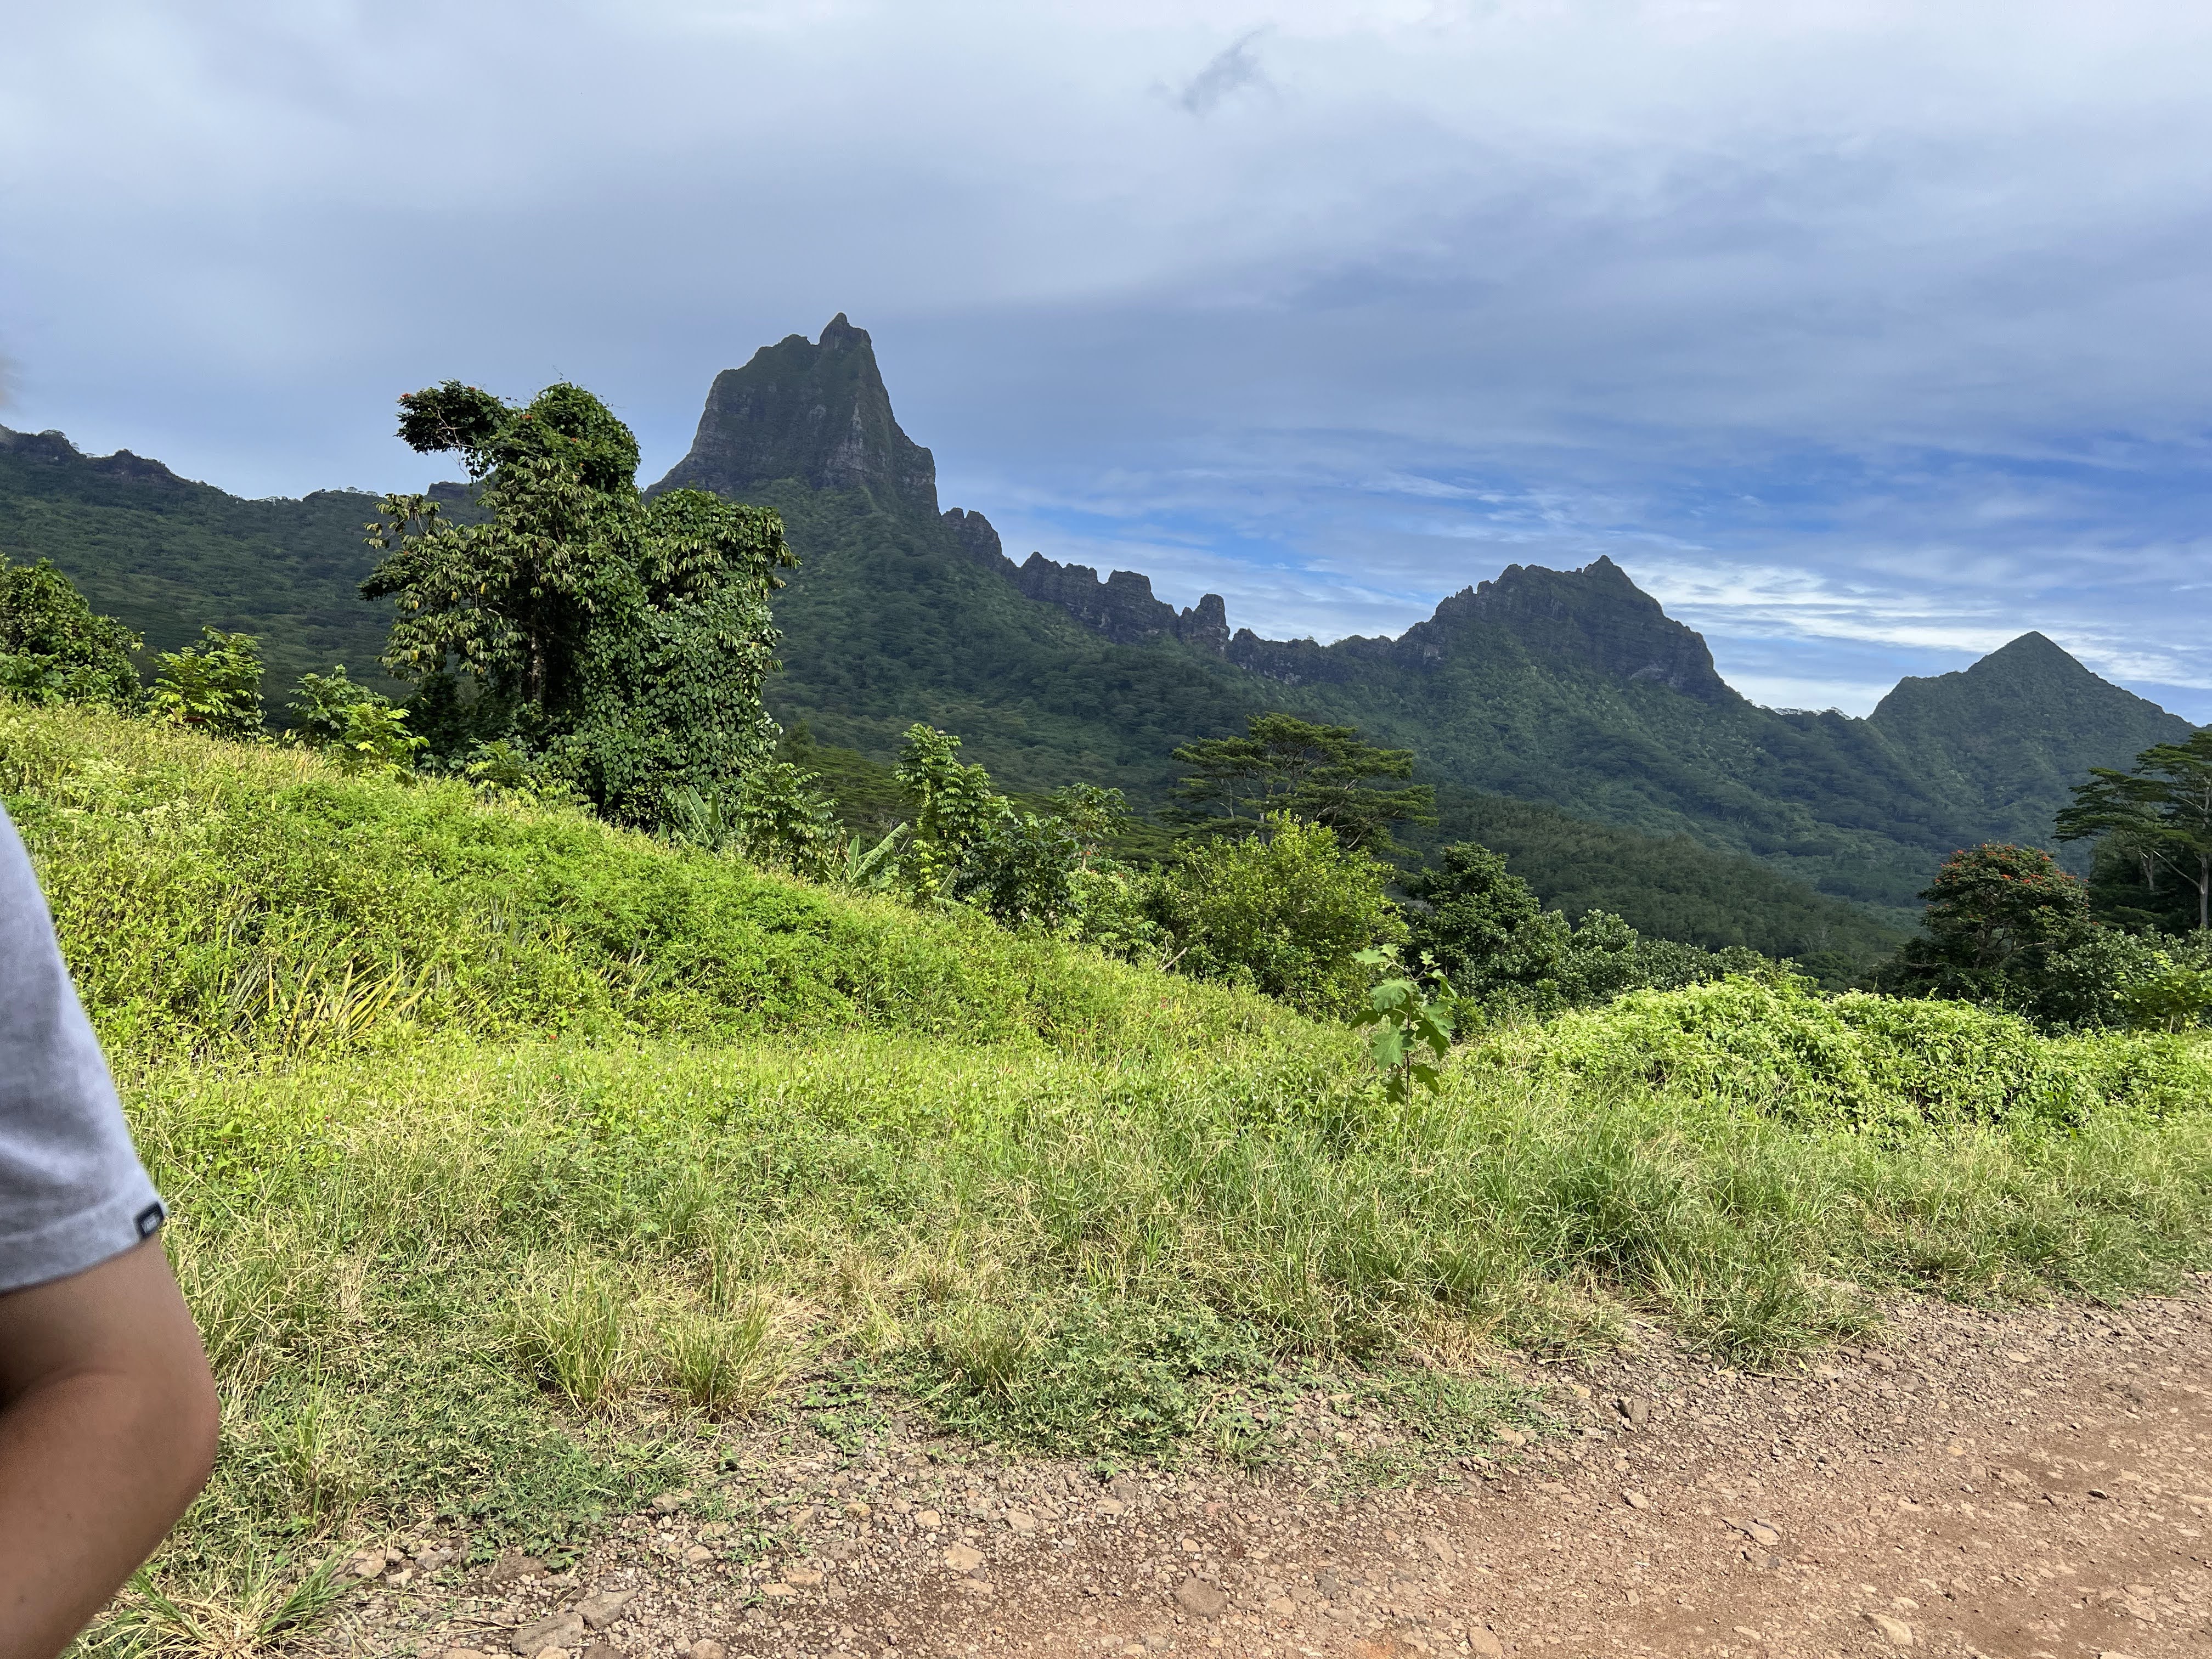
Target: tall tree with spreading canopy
627 639
1320 774
2159 814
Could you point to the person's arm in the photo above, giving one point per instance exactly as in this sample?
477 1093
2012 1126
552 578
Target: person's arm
107 1429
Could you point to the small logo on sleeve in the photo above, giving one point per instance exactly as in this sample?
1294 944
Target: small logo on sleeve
149 1220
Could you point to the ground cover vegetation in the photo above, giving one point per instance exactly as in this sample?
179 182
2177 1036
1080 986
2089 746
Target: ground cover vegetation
513 1150
541 1090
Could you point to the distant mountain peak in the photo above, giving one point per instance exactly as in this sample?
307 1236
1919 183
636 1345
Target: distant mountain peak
815 412
1596 615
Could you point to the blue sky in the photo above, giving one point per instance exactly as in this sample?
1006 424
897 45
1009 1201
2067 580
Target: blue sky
1866 335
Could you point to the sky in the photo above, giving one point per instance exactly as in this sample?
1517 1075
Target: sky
1866 337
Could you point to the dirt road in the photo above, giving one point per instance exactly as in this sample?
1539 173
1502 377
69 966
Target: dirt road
2028 1486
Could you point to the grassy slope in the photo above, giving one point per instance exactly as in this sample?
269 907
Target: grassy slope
657 1129
889 623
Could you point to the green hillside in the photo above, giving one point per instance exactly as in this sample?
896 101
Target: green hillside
166 556
523 1167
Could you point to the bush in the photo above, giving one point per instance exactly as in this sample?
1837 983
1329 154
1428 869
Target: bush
1284 912
1505 953
213 686
1858 1061
53 648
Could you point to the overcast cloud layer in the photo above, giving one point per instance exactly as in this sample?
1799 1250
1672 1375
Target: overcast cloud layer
1867 335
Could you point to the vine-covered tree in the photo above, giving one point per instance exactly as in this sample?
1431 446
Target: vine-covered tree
1322 774
2159 816
627 640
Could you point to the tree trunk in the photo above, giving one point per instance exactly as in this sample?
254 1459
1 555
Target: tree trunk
2205 892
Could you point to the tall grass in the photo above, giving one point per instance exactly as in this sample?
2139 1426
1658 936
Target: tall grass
500 1141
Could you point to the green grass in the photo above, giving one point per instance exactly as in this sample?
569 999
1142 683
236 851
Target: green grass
557 1158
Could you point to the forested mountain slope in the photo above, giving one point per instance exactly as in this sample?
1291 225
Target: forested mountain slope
1571 688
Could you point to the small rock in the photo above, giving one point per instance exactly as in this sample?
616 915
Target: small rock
512 1567
669 1502
1636 1500
1895 1631
803 1577
1125 1489
1021 1521
1511 1437
778 1591
928 1520
964 1558
1200 1600
602 1650
1485 1644
1282 1606
858 1510
1760 1532
697 1555
1328 1584
713 1530
1111 1506
706 1647
552 1653
430 1560
367 1563
1635 1410
562 1630
602 1609
463 1653
1747 1632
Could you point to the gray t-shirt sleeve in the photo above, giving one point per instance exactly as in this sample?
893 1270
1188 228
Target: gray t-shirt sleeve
72 1192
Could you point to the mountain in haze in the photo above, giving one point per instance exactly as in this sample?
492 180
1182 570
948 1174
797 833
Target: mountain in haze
1565 718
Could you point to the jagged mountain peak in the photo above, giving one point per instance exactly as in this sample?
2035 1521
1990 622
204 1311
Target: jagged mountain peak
815 412
1596 615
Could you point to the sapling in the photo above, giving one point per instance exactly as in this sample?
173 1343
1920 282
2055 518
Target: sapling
1406 1020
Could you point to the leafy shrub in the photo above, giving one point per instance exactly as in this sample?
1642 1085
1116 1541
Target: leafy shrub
1504 951
361 730
53 648
1284 912
1857 1060
213 687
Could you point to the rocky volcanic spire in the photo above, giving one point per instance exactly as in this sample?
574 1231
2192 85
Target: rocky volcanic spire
814 412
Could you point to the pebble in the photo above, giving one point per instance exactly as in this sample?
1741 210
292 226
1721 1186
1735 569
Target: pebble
602 1650
964 1558
1021 1521
1200 1600
698 1555
1760 1532
562 1630
1896 1631
1636 1500
602 1609
512 1567
1482 1642
706 1648
669 1502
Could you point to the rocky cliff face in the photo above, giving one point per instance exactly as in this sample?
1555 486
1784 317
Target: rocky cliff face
817 412
1595 616
54 449
1123 607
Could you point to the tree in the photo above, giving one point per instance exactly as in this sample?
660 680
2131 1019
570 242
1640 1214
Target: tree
1486 930
2159 814
1321 774
1286 911
215 686
2007 927
54 648
626 639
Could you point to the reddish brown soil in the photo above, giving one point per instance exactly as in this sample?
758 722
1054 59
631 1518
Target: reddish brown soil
2022 1485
